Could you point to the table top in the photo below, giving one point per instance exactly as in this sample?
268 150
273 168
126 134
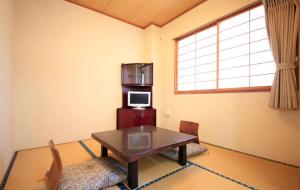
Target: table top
130 144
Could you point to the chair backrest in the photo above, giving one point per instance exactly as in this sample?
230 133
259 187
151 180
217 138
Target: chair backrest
189 127
54 175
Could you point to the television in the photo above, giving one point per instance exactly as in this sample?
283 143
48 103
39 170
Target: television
138 99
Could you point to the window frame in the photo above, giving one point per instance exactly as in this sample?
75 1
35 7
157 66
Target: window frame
217 90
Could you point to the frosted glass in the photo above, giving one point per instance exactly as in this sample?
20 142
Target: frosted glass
206 76
258 35
234 83
206 42
185 87
206 85
186 79
234 21
241 29
234 52
206 33
263 80
206 68
234 62
261 57
235 72
184 72
264 68
259 46
206 59
232 42
257 24
186 64
257 12
206 51
186 49
186 56
186 41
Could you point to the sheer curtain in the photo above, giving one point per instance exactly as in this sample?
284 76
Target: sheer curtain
282 21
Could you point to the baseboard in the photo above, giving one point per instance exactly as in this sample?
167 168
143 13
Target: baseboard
7 173
295 166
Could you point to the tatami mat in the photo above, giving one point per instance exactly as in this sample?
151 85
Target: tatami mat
194 178
231 167
31 165
260 173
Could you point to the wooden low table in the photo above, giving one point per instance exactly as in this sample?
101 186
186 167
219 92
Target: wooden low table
131 144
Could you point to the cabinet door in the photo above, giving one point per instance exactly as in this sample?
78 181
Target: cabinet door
145 117
125 118
137 74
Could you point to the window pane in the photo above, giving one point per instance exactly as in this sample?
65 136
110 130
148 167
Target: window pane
185 87
234 21
257 12
206 68
236 31
206 33
262 80
186 41
206 77
206 59
259 46
206 51
186 49
235 72
244 58
186 56
186 79
257 24
184 72
206 85
234 62
234 83
206 42
261 57
234 52
186 64
264 68
233 42
258 35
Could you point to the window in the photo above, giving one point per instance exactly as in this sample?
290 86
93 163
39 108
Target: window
232 54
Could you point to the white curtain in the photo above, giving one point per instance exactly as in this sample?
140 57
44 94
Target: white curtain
282 21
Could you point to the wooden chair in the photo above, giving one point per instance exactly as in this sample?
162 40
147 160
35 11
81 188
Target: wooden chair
55 173
192 149
190 128
92 174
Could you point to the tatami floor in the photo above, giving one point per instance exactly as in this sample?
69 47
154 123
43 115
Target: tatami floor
217 170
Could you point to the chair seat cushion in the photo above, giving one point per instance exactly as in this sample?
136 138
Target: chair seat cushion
92 174
192 149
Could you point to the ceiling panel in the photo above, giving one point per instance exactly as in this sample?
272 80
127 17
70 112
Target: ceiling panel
141 13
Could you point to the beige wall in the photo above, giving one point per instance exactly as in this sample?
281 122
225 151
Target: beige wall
67 70
152 54
240 121
67 81
6 114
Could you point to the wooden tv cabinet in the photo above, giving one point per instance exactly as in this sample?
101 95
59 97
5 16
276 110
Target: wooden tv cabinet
136 77
127 117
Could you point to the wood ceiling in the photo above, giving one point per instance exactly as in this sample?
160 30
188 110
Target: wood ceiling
141 13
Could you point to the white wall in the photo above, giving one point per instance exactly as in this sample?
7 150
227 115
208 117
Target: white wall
67 70
240 121
6 114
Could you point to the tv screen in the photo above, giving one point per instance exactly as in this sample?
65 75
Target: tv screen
138 99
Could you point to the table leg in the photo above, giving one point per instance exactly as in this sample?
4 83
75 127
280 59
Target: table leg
104 151
182 155
133 174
